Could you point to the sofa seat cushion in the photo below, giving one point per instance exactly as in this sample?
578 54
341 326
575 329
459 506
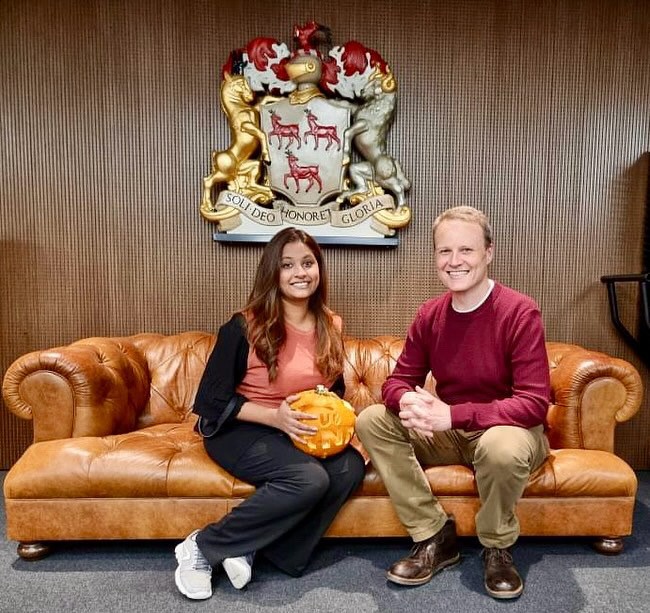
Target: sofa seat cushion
168 460
566 473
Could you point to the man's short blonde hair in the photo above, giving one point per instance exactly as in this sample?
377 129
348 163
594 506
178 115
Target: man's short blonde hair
469 214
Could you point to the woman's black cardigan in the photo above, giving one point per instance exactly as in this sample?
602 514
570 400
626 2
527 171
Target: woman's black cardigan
217 401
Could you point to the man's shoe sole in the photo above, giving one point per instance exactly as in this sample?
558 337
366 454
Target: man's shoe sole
422 580
505 595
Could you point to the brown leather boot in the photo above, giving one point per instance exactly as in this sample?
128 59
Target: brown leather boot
427 557
501 577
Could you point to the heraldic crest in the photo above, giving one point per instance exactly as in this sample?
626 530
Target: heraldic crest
308 140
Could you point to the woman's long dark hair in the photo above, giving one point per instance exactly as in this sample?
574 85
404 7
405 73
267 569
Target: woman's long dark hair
265 312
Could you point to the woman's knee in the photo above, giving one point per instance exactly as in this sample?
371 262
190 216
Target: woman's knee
346 470
357 467
312 479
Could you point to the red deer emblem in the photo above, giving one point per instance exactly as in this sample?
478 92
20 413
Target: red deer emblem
290 130
320 131
298 173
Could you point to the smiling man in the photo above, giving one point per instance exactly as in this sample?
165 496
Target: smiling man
484 344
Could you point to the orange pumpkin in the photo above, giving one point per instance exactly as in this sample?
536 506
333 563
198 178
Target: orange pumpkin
335 421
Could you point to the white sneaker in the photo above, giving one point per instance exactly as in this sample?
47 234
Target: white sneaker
239 570
194 573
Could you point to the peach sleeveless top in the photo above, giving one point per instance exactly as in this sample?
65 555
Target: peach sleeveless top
296 370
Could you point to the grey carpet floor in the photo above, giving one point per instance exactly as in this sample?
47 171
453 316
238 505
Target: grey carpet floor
346 576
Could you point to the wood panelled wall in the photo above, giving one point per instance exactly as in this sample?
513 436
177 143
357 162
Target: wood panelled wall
536 112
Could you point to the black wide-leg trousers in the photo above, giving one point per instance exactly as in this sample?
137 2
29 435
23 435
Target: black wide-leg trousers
297 496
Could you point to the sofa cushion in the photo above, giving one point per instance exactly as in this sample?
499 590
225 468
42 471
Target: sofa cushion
169 460
162 460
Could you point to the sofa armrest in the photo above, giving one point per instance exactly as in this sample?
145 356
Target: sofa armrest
93 387
591 392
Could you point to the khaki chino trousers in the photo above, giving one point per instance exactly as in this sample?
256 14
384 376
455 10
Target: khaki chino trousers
502 457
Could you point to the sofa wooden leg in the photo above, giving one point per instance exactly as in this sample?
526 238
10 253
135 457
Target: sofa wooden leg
33 551
609 546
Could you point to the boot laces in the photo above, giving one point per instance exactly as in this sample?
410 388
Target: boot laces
495 555
418 547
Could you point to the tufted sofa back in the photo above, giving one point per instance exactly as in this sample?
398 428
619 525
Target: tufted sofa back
101 386
176 363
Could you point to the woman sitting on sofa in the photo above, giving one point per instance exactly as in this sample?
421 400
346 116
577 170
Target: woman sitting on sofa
284 340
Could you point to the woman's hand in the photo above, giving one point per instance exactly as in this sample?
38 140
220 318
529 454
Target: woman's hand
294 423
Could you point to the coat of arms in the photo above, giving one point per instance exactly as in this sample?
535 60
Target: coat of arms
308 140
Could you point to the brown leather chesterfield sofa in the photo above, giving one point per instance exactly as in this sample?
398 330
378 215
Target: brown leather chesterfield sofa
115 455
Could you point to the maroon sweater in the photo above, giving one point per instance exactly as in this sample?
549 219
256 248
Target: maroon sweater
490 365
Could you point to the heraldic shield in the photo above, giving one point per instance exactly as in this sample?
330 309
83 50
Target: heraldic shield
306 147
308 142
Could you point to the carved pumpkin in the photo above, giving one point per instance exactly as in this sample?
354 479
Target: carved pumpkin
335 421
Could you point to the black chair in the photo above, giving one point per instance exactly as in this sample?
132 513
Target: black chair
640 342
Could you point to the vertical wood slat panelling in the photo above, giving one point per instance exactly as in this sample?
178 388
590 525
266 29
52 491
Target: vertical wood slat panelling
536 112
